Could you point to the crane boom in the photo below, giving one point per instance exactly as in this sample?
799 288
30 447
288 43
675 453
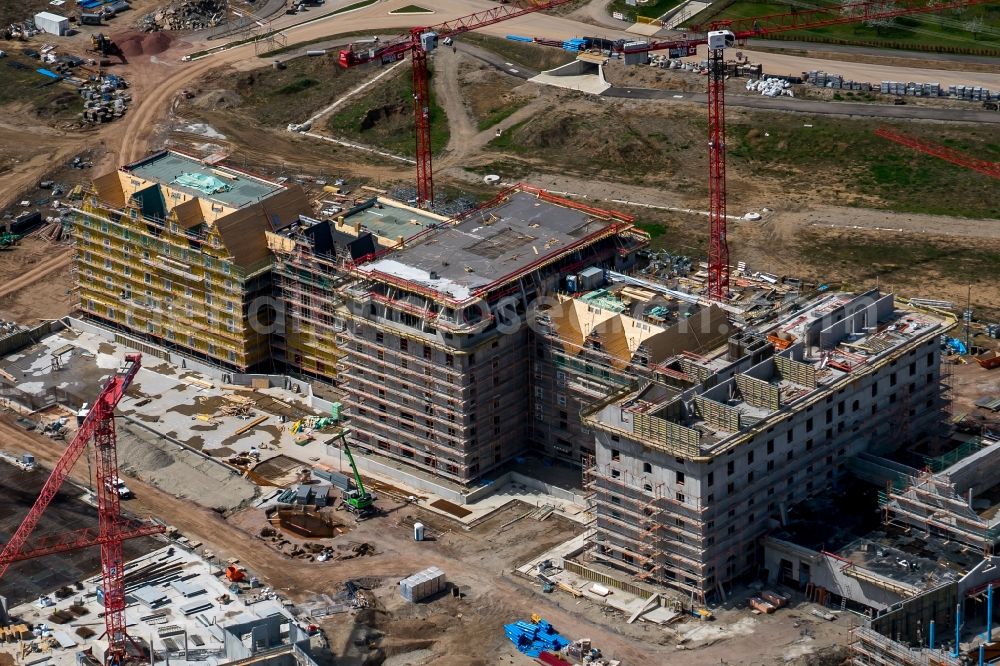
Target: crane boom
99 424
103 408
82 538
731 32
991 169
418 42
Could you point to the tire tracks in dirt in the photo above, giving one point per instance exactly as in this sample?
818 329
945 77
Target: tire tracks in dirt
59 260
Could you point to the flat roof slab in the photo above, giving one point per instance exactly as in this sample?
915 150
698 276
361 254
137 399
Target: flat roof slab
489 245
167 167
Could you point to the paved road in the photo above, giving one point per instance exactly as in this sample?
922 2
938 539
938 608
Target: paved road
769 103
817 106
867 50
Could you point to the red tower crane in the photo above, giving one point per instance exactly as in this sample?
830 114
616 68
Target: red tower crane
991 169
721 35
98 424
418 42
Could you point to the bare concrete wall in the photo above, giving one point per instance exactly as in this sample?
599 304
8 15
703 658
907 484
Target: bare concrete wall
980 471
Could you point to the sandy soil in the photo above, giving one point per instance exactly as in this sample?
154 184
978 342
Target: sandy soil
183 474
969 382
883 220
35 281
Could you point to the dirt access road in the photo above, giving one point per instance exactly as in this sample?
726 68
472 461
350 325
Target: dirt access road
35 281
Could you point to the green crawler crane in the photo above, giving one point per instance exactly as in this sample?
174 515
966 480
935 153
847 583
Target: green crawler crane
359 501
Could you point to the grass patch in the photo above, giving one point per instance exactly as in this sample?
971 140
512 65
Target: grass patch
501 113
50 100
297 86
383 116
973 29
846 157
326 38
529 56
837 160
653 10
276 97
654 230
411 9
867 255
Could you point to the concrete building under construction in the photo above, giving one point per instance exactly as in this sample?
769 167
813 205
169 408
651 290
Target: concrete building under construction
435 347
693 467
171 250
311 257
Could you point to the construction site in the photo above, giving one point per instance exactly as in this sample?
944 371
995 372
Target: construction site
499 332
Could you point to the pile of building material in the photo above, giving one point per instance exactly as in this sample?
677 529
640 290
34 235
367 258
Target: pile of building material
106 98
238 405
423 584
768 602
899 88
533 638
770 87
185 15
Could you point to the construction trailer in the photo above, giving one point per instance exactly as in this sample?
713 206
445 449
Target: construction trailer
53 24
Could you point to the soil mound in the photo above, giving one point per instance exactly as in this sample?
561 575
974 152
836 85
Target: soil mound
218 99
133 43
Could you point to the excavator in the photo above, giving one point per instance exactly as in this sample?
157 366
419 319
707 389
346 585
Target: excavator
358 500
8 239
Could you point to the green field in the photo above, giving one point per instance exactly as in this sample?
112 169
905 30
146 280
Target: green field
500 113
970 30
866 258
847 156
383 116
277 97
530 56
654 9
50 100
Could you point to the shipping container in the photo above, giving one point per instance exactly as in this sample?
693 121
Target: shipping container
51 23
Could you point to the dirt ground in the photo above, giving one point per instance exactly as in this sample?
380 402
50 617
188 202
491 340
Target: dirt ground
468 630
35 281
969 382
26 580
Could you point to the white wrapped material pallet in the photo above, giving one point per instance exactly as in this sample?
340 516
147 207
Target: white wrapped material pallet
422 584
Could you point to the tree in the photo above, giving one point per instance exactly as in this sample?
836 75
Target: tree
975 26
876 11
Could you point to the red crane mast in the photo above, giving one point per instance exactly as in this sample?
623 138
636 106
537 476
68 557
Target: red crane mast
98 424
721 35
418 42
991 169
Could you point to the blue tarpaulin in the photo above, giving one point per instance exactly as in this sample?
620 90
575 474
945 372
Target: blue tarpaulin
533 639
46 72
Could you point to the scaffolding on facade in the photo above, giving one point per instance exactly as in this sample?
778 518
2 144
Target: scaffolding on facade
658 538
177 286
870 648
930 503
